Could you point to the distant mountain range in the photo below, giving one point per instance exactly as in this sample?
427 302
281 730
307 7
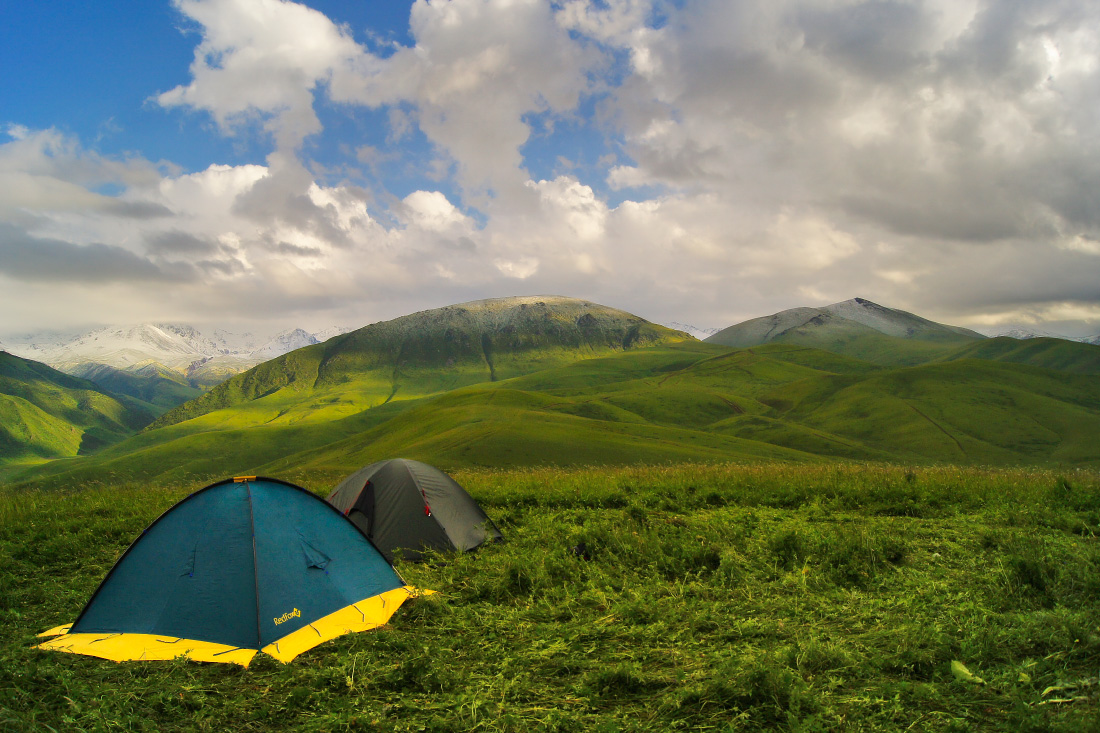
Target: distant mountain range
555 380
199 359
1023 334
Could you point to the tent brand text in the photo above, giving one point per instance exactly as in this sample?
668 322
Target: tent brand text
287 616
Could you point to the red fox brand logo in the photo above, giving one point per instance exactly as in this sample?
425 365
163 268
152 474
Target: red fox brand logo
287 616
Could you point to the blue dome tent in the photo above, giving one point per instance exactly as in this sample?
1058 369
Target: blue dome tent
242 566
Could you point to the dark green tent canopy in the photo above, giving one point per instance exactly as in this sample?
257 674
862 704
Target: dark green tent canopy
244 565
411 507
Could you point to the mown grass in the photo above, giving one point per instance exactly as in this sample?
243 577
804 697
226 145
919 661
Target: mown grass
686 597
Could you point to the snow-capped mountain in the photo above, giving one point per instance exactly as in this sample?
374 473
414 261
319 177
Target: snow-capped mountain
120 347
858 314
331 332
179 347
699 333
283 343
1030 333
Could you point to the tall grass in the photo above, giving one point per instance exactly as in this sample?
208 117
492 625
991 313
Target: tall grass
689 597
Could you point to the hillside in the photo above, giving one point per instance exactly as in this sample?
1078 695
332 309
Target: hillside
1050 353
857 328
425 353
680 402
556 381
47 414
153 385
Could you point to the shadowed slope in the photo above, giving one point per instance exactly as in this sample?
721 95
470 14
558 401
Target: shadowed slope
46 414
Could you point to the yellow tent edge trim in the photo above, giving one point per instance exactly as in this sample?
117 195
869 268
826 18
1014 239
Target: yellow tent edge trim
127 647
364 615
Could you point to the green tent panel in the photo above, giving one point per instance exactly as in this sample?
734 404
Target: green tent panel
244 565
410 507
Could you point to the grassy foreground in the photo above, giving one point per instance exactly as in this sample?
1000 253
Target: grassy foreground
712 598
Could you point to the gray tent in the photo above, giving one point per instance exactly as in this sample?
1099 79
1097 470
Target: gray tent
411 507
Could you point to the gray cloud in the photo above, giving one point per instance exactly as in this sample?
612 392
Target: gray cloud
880 40
1015 276
286 248
227 268
282 196
175 242
138 209
52 260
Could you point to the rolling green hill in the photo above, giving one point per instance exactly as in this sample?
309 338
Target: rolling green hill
421 354
1051 353
556 381
867 331
679 402
47 414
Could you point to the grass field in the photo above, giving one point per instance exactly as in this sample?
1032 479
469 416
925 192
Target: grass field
714 597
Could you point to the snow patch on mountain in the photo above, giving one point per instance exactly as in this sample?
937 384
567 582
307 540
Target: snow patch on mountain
1028 333
331 332
283 343
1024 334
699 333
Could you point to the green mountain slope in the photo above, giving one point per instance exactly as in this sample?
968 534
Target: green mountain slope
421 354
1050 353
962 412
47 414
679 402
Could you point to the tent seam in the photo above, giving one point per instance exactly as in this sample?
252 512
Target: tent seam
255 563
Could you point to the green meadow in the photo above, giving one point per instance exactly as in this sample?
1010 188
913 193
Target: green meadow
733 596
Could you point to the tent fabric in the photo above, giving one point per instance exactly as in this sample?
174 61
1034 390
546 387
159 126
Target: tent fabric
411 507
241 566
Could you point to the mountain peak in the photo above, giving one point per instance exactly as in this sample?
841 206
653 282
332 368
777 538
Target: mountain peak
839 323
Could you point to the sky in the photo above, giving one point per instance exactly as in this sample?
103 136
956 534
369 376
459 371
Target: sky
266 164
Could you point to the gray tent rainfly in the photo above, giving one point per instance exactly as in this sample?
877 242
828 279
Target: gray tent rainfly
412 508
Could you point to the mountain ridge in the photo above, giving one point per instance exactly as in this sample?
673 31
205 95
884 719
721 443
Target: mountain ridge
865 313
201 359
549 379
439 349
